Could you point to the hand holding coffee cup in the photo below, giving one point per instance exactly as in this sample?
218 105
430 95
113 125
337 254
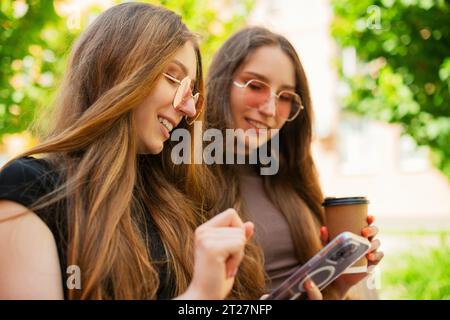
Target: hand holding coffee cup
351 214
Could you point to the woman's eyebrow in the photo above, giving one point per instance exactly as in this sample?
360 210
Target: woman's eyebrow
183 68
265 79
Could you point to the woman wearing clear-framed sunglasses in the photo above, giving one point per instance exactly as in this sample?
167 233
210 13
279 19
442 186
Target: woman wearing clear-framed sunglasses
256 82
256 93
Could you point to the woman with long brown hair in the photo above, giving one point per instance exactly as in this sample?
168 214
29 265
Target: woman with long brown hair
256 81
103 213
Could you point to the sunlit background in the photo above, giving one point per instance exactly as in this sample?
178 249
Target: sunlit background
379 72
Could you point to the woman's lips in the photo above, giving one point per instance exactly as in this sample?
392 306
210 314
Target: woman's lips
166 126
164 130
256 124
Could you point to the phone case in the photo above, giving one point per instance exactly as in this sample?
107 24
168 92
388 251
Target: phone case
342 252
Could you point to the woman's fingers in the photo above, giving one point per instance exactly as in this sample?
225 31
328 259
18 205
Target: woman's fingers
264 296
232 264
369 232
312 290
223 232
375 257
228 218
219 250
225 236
235 260
226 245
324 236
374 245
249 229
236 250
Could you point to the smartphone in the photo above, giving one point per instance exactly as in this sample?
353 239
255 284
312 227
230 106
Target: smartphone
332 261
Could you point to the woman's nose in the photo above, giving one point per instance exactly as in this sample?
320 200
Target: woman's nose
187 107
268 108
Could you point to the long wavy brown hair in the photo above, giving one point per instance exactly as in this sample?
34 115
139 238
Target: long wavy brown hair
107 187
295 190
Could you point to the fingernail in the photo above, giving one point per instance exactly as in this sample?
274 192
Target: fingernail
365 232
307 285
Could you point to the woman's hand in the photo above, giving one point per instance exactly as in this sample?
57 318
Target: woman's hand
219 249
312 291
346 281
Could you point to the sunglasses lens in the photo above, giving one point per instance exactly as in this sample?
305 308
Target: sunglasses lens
195 97
256 93
181 93
288 105
198 100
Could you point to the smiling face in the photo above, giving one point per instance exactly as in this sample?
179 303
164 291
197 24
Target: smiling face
156 116
272 66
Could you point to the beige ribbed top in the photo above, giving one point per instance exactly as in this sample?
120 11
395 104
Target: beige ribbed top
271 230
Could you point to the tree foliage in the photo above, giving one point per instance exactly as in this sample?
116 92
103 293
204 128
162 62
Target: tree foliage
35 39
403 49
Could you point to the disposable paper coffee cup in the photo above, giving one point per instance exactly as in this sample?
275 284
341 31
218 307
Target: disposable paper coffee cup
347 214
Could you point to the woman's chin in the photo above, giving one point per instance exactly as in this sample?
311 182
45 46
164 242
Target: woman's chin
252 143
155 147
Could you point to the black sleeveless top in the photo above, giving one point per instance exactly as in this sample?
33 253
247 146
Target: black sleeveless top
26 180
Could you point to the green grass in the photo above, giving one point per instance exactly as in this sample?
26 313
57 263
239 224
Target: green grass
424 274
417 232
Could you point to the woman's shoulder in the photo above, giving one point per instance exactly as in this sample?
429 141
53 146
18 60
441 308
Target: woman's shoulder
25 168
26 179
23 181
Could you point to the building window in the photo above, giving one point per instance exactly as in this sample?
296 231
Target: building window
412 158
359 146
